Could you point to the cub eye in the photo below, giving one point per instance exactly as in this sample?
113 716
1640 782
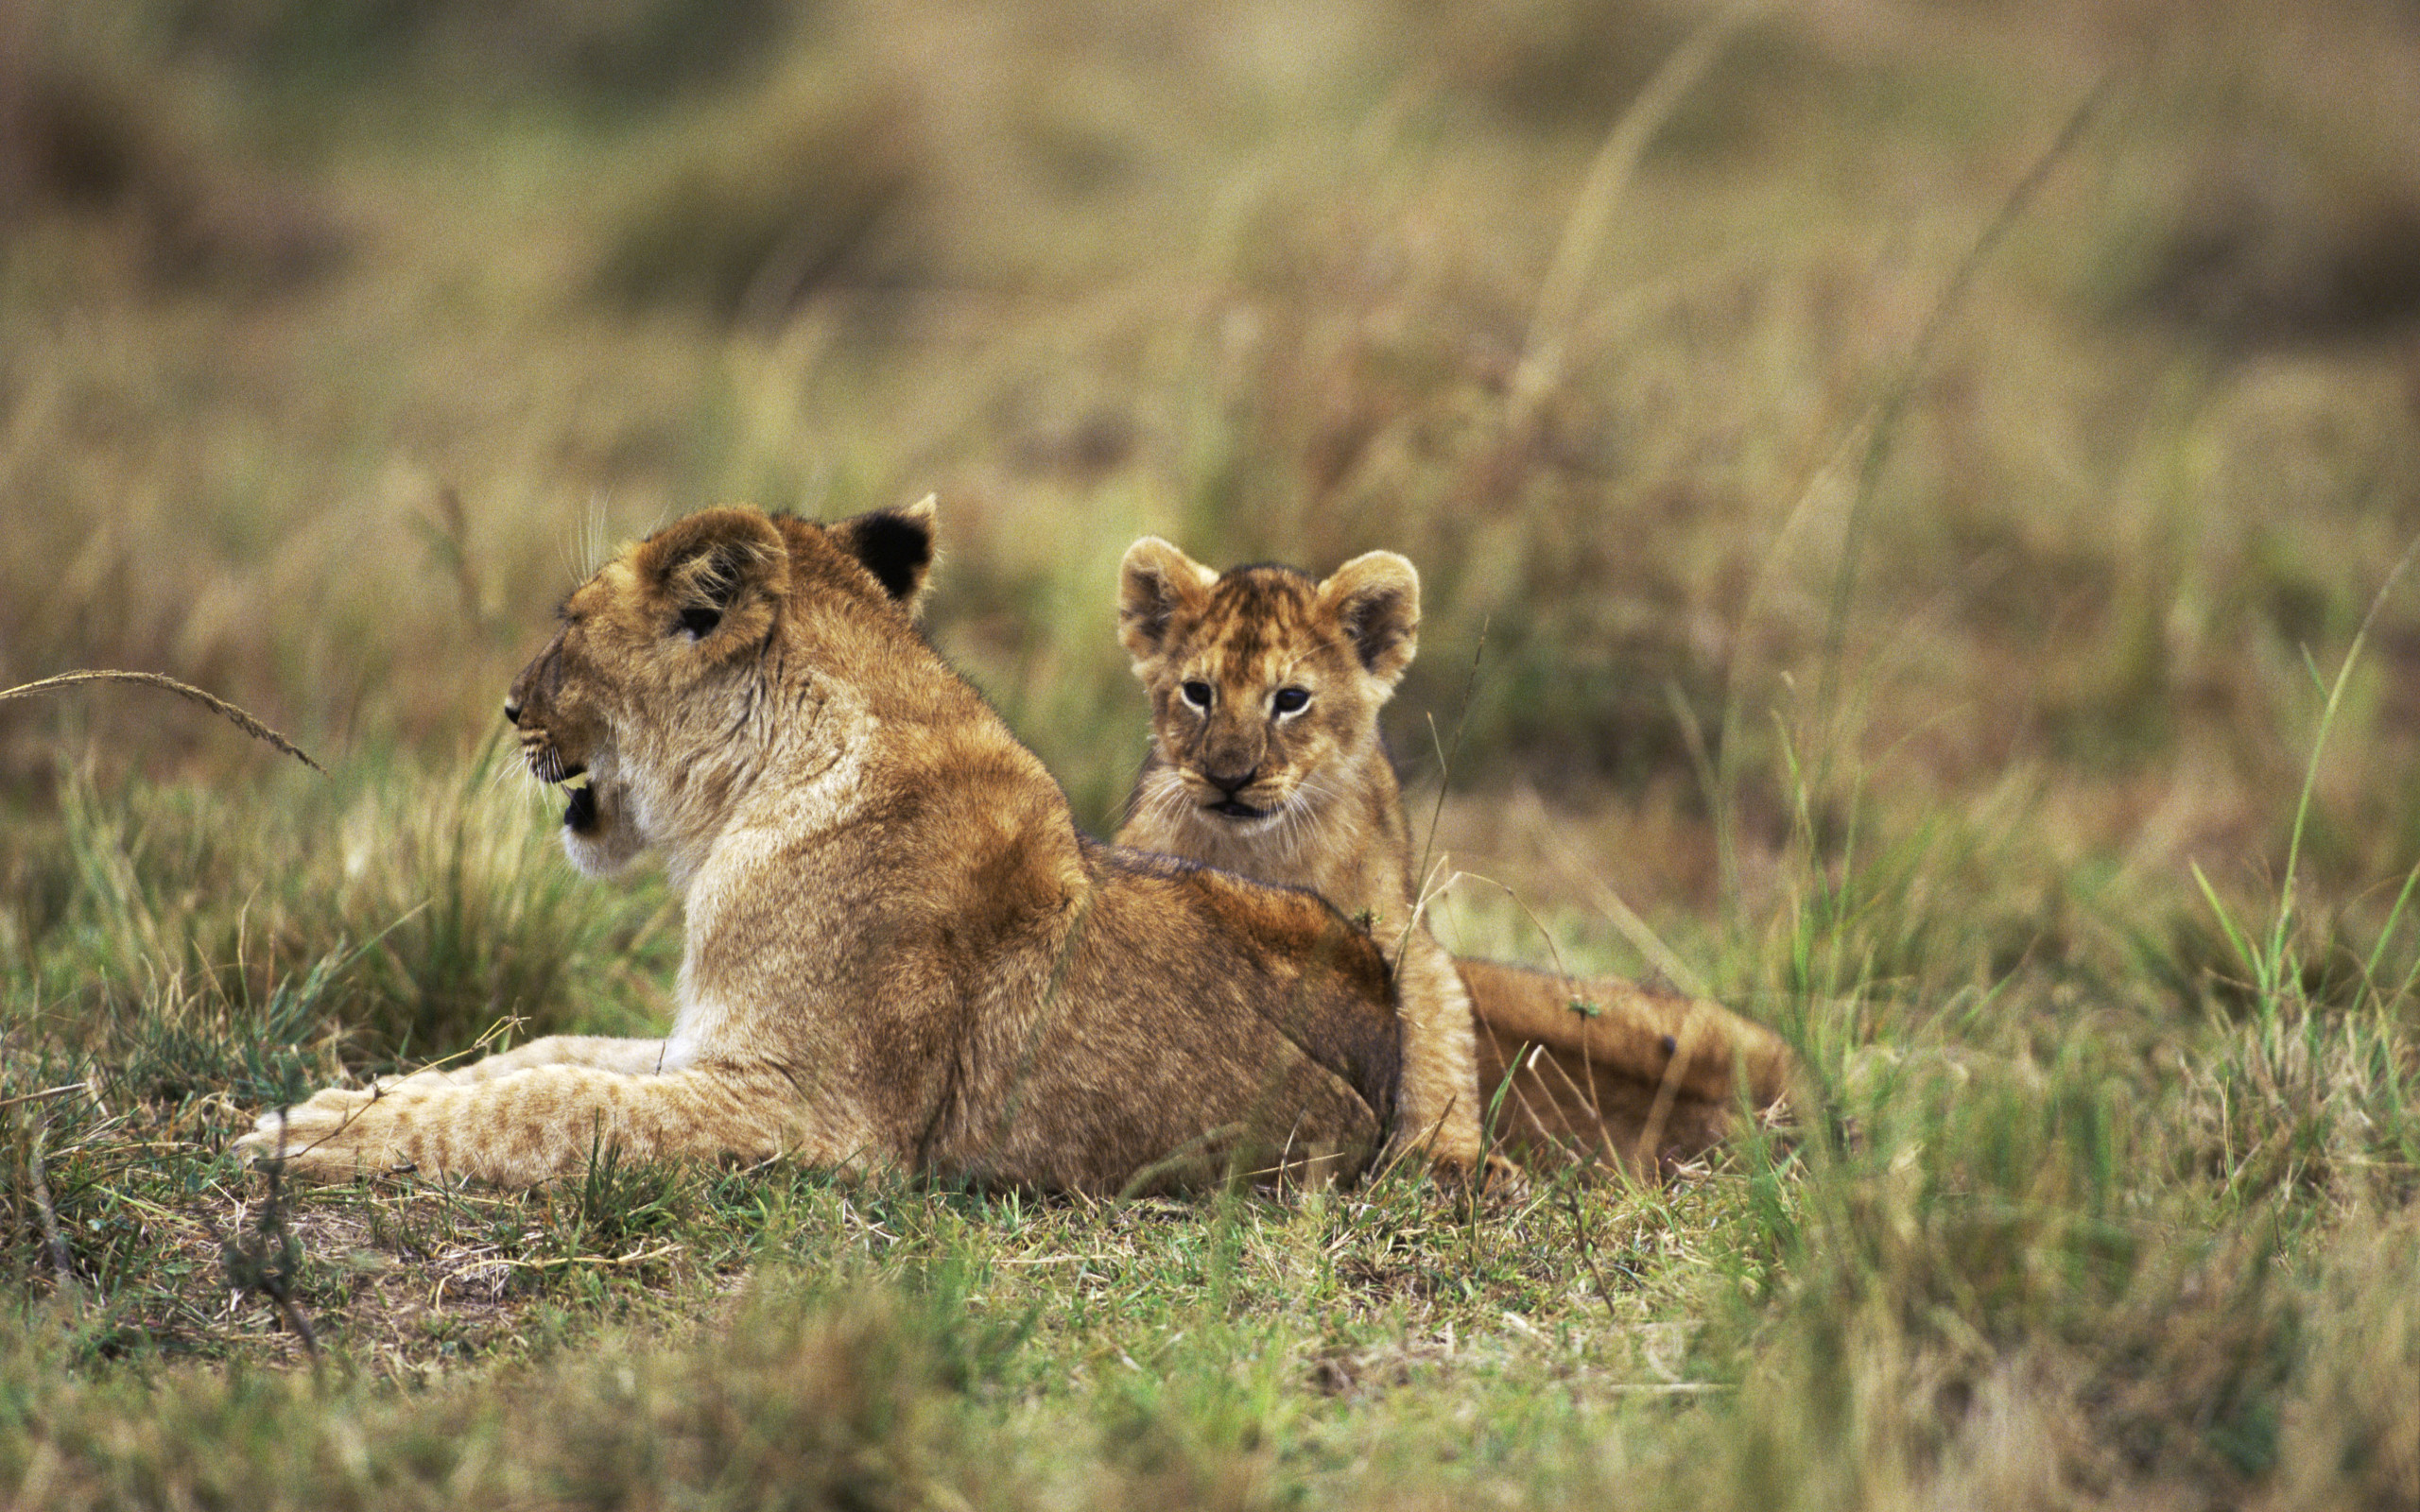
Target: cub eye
1291 700
699 621
1197 694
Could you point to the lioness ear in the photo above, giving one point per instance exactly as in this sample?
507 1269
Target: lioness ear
1153 582
1376 599
716 570
896 545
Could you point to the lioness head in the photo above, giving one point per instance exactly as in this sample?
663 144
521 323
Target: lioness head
651 698
1261 678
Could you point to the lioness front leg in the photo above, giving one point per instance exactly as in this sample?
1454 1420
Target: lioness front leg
524 1126
635 1058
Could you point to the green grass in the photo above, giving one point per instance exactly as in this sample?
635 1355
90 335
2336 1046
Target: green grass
2012 1238
1950 655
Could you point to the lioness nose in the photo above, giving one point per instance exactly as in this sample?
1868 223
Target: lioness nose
512 714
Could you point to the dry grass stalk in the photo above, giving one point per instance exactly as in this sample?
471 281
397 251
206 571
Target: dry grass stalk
211 701
1892 406
1591 211
52 1239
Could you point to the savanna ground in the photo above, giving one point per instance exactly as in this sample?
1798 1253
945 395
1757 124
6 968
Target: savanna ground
1923 540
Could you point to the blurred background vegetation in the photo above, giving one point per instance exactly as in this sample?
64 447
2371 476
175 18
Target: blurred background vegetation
343 336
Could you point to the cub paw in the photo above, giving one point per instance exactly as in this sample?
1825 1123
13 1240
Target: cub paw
1501 1180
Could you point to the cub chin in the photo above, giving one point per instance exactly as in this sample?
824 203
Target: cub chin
1267 760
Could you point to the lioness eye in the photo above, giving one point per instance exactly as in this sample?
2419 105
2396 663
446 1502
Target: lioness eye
1291 700
699 622
1197 694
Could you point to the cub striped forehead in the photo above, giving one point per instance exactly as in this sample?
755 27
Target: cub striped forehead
1258 615
1254 623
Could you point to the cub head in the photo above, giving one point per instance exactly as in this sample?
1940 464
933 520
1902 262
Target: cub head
653 680
1262 677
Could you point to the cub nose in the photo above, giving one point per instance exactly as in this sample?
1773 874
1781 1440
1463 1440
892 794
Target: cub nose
512 714
1231 783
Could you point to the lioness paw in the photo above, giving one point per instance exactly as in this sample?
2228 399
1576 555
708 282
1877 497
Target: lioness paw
341 1130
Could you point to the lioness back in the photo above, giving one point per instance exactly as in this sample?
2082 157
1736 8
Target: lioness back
898 951
1267 760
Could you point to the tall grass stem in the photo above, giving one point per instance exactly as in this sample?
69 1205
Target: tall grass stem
1885 429
211 701
1543 350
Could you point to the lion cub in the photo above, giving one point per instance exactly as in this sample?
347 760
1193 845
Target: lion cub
1265 695
899 951
1266 687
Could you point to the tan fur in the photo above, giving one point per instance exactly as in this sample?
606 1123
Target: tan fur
1324 811
1608 1067
899 953
1629 1072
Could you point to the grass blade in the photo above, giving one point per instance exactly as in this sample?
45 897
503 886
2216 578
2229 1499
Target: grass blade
211 701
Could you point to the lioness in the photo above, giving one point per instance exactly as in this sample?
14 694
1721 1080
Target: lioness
899 951
1266 687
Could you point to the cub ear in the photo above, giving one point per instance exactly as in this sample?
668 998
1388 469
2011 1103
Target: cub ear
1153 582
716 568
896 545
1376 599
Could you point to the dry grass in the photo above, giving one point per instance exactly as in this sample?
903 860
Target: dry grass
217 705
1894 627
